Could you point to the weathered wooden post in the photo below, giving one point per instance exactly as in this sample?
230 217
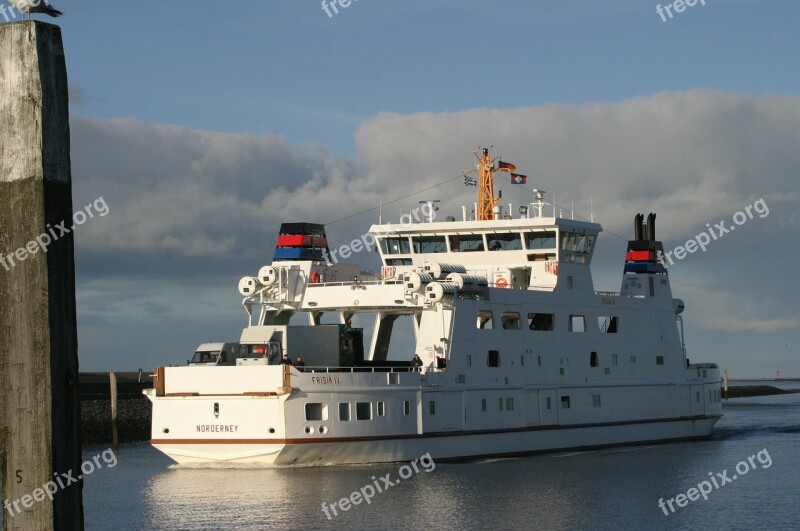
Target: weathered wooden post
38 337
112 382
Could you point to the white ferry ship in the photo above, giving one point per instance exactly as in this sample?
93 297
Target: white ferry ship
519 352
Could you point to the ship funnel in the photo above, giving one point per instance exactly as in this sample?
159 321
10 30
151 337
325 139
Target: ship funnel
651 227
638 230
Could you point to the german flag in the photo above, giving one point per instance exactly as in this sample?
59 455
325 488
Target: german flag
506 166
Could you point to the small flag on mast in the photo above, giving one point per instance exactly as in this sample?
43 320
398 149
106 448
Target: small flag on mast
506 166
516 178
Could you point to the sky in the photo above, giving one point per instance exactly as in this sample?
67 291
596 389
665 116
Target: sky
204 125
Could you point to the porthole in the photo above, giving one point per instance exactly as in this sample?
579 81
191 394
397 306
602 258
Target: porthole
309 430
323 430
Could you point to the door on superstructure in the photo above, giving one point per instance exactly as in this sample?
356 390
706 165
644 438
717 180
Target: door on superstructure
548 409
698 400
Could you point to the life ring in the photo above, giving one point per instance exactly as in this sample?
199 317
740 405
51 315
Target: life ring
501 283
314 277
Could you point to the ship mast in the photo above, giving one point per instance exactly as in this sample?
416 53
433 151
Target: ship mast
486 199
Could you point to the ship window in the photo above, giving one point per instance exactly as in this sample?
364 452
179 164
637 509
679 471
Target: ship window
596 400
614 360
539 360
510 320
633 359
577 323
485 320
381 409
569 281
316 411
549 403
504 242
466 242
429 244
483 405
659 360
564 402
698 396
593 359
399 261
509 404
608 324
493 359
469 360
363 410
541 321
501 404
406 407
394 378
432 407
395 245
344 411
541 240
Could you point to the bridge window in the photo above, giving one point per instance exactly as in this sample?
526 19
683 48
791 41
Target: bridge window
466 242
577 323
541 240
504 242
541 321
395 246
429 244
608 324
510 320
485 320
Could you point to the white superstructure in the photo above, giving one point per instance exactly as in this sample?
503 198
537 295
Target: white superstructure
520 353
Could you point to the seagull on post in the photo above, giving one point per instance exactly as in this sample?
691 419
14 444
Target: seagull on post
35 6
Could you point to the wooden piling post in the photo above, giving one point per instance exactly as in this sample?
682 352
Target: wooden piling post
112 381
38 333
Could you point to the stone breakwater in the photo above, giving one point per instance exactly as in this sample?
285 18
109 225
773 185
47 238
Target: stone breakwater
134 418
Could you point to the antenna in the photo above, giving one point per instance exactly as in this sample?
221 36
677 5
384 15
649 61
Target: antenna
591 209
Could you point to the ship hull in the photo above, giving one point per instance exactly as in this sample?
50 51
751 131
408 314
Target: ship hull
440 446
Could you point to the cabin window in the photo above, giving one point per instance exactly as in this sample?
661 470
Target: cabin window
397 245
577 323
541 240
466 242
493 358
593 359
564 402
485 320
659 360
697 396
344 411
483 405
549 403
596 400
504 242
429 244
509 404
363 410
432 407
469 360
614 360
406 407
569 281
510 320
399 261
539 360
394 378
633 359
501 404
608 324
541 321
316 411
381 409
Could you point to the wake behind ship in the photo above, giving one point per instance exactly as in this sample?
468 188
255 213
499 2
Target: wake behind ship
519 352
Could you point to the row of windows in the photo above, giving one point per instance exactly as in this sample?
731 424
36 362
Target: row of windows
545 322
572 242
493 360
318 411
